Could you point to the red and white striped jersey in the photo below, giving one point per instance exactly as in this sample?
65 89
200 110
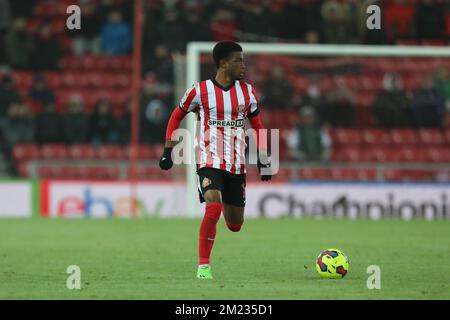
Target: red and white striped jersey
221 114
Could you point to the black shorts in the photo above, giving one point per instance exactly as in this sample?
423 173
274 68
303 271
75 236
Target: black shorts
232 186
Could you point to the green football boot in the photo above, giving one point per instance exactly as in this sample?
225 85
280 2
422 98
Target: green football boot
204 272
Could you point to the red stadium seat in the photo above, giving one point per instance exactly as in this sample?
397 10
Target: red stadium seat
283 174
431 136
74 80
111 152
314 174
71 62
376 136
447 136
438 154
352 154
75 172
53 79
342 136
377 154
411 154
408 175
102 172
22 168
146 152
50 172
253 174
155 173
81 152
367 174
345 174
23 79
350 174
158 149
25 152
54 152
404 136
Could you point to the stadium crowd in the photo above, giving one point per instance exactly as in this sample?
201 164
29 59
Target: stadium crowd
34 39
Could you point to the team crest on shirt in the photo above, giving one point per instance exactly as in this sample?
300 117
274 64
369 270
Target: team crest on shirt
241 109
206 182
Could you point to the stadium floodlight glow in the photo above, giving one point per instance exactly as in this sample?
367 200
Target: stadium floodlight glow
195 49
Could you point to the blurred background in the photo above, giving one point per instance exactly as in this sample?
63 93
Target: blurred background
65 94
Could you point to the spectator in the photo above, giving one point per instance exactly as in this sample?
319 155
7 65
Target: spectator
23 8
153 19
315 99
391 107
19 45
7 96
173 31
18 127
278 91
297 18
155 122
340 22
48 125
309 141
5 25
255 20
430 20
154 113
312 37
75 122
441 81
40 94
339 106
223 25
87 40
48 50
198 30
428 106
102 124
116 35
105 7
398 19
123 124
161 64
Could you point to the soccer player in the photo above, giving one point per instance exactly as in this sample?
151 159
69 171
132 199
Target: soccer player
222 104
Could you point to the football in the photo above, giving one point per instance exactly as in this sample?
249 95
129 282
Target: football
332 264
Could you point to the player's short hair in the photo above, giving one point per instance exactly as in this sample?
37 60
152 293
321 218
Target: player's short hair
223 49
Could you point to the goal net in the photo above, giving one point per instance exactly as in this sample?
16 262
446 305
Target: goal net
344 112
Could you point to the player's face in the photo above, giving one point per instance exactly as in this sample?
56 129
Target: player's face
236 66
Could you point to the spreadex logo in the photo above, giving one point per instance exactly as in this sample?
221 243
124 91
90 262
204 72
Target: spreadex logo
226 123
343 206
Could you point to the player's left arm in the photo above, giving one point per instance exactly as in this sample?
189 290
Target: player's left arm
261 140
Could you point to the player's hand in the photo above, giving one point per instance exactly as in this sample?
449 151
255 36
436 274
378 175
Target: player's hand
264 162
165 162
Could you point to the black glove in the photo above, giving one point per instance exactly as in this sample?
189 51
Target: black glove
165 162
264 162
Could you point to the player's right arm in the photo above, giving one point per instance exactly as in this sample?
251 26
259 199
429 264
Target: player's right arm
188 103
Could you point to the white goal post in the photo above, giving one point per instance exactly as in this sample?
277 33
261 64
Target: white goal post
195 49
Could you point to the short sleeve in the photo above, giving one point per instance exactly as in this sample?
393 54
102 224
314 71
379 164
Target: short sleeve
189 102
253 108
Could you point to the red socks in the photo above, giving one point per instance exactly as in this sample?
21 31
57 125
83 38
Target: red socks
208 231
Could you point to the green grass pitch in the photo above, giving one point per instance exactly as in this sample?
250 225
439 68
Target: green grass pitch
268 259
